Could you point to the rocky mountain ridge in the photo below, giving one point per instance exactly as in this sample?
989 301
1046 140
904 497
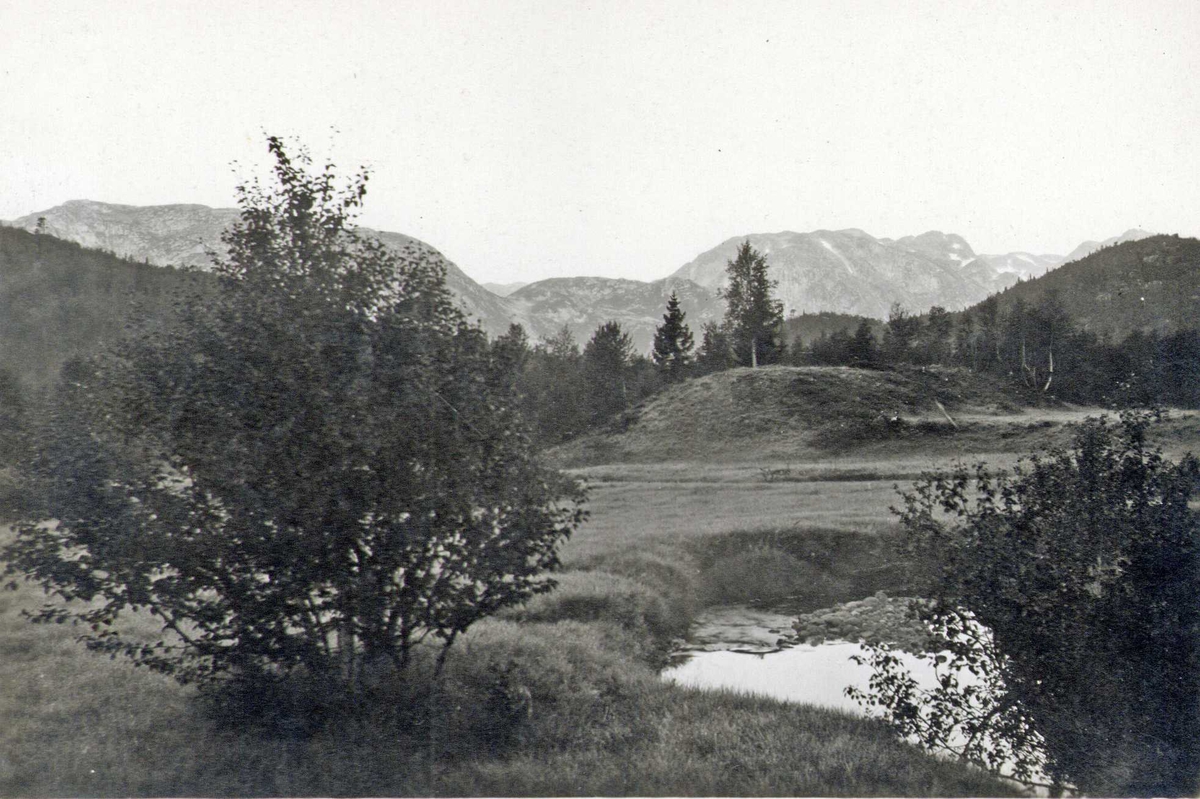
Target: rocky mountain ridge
845 271
185 235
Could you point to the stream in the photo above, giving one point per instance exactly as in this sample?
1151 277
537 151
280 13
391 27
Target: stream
738 648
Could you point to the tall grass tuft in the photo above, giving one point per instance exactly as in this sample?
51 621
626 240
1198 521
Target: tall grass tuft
651 616
761 573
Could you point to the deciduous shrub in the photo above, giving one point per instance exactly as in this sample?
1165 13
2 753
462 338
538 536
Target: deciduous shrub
1071 587
316 471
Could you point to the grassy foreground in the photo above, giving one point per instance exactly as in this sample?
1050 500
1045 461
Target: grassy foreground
560 697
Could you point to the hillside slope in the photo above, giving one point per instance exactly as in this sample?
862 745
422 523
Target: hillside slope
1146 284
59 300
1088 247
184 235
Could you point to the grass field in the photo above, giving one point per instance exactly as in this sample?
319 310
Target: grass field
592 719
560 697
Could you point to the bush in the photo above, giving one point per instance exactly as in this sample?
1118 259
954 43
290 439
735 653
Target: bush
553 686
1071 588
319 468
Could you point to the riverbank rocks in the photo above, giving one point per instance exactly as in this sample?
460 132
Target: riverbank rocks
876 619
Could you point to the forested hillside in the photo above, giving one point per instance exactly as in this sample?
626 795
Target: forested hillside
1149 285
59 300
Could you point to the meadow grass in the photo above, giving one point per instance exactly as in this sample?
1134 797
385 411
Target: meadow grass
558 697
561 696
650 514
525 708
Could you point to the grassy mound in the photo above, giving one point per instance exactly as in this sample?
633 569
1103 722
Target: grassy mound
780 412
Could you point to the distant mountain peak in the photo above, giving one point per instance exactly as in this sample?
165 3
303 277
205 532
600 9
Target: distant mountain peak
1088 247
849 271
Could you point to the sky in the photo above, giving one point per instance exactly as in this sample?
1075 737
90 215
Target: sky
534 140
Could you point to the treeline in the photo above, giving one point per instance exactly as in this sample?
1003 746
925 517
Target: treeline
1125 287
1039 347
565 390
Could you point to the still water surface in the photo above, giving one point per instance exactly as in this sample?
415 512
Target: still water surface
737 648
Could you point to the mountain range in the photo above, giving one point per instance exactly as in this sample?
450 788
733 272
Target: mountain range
845 271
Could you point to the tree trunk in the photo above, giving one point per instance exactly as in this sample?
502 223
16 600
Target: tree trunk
754 353
346 645
1028 374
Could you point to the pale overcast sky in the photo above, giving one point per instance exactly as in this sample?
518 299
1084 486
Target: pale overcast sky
530 140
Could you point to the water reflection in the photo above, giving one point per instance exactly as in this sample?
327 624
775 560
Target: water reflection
815 675
748 650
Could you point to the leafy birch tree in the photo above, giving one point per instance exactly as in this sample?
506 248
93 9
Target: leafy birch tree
1069 589
753 319
319 469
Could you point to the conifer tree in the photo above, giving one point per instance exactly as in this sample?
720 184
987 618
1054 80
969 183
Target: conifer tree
753 319
715 354
898 337
673 342
607 358
863 349
934 335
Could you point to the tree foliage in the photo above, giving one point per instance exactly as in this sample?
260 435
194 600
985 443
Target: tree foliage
59 300
316 470
716 353
1083 567
555 388
1037 348
753 319
900 334
673 342
607 363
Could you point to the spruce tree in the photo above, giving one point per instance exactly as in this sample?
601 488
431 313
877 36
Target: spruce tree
901 332
673 342
753 319
714 354
863 349
607 358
